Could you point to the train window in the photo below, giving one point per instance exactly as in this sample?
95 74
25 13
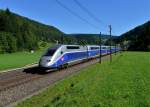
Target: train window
50 52
104 47
94 48
73 47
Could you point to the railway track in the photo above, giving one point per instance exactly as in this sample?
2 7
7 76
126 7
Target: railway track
22 83
11 79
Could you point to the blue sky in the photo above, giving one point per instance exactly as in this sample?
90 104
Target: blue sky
123 15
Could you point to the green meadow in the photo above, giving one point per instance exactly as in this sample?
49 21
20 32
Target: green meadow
21 59
123 83
18 59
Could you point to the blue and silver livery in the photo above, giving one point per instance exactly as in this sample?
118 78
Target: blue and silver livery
60 55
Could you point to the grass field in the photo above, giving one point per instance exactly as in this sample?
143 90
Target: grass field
19 59
123 83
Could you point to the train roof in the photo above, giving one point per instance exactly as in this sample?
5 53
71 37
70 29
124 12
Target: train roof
60 45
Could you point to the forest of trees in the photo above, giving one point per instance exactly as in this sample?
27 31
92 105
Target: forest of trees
18 33
137 39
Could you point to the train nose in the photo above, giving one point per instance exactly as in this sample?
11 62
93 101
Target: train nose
44 61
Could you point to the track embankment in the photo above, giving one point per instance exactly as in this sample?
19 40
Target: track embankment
18 85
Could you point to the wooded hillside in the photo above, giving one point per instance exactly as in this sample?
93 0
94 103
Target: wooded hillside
19 33
137 39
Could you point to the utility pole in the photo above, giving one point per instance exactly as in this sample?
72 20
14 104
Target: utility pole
110 29
100 44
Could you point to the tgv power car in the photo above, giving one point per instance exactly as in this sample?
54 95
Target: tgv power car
62 55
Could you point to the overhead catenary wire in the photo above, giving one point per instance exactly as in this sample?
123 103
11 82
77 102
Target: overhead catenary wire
77 15
89 13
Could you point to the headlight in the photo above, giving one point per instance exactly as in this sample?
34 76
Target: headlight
48 60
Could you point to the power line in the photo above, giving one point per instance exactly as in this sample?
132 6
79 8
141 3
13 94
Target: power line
77 15
89 13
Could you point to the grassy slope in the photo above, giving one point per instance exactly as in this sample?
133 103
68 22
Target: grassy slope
124 83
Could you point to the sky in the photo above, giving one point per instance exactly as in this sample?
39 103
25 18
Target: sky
123 15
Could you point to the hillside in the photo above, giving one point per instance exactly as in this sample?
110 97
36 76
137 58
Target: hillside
138 38
91 38
20 33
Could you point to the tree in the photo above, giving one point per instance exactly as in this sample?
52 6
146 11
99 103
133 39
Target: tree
8 42
8 11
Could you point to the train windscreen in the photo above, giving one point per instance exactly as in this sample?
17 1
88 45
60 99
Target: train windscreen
51 51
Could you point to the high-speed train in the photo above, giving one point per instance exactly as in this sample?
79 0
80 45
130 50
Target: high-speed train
60 56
